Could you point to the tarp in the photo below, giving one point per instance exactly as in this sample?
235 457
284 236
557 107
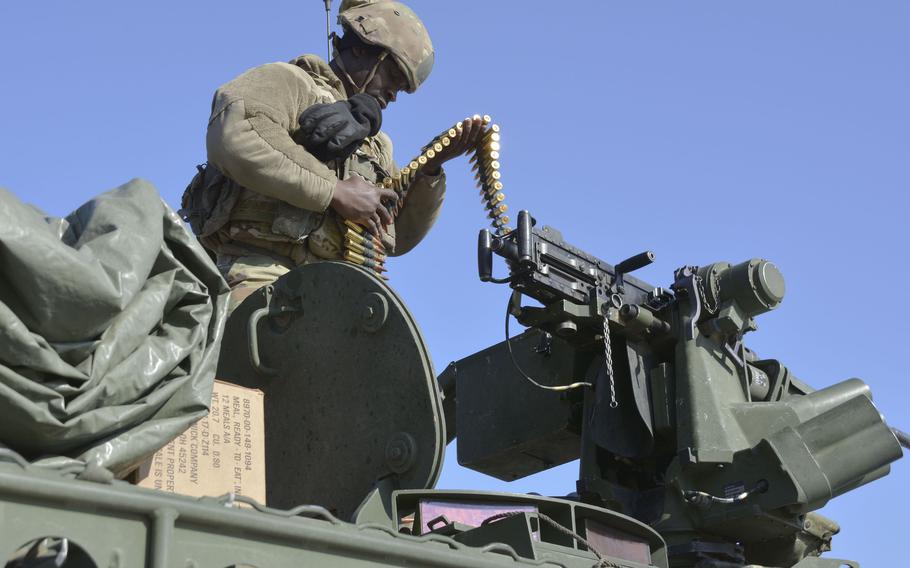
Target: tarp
110 328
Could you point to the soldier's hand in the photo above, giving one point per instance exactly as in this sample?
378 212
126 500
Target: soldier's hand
362 202
464 141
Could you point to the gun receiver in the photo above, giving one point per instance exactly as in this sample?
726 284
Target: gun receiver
675 421
577 289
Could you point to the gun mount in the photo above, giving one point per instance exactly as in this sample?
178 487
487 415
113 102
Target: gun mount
676 422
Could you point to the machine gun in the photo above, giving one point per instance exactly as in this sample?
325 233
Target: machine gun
675 421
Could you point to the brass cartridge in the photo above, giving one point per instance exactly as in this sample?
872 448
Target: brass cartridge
352 256
499 197
414 165
487 119
491 137
497 210
360 230
437 147
479 154
363 233
487 168
364 251
490 146
364 242
491 189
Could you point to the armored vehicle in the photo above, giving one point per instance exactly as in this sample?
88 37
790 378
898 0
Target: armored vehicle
693 450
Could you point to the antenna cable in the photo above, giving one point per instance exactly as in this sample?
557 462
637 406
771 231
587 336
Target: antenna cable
328 30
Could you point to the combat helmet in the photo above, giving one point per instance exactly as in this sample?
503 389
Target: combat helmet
395 27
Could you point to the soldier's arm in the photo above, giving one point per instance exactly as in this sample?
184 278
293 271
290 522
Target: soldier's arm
420 210
249 136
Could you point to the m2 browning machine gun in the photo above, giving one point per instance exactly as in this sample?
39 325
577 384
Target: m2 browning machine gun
675 421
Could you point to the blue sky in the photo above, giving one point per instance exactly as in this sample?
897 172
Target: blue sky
701 130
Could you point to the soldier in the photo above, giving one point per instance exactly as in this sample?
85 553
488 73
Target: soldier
266 204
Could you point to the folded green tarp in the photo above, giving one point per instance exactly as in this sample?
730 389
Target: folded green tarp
110 328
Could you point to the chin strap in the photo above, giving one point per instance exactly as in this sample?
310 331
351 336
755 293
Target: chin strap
336 56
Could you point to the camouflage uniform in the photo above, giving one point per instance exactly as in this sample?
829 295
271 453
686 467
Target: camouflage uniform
281 217
272 209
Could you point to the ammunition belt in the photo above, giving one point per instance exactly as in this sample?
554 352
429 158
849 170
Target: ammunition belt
363 248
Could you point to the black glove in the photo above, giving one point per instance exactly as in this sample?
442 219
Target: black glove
335 130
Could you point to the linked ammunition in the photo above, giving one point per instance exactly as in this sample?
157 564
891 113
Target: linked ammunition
364 242
491 189
362 231
491 167
496 210
491 146
478 155
352 256
364 251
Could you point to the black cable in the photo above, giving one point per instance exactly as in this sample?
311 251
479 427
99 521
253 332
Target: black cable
560 388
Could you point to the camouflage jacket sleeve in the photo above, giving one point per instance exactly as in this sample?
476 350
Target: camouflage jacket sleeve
250 132
421 207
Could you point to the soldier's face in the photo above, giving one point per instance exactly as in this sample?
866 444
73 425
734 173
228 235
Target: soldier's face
387 82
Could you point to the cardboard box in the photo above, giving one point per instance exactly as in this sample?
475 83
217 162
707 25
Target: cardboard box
221 453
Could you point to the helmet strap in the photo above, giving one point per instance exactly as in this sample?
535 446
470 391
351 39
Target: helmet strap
336 55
